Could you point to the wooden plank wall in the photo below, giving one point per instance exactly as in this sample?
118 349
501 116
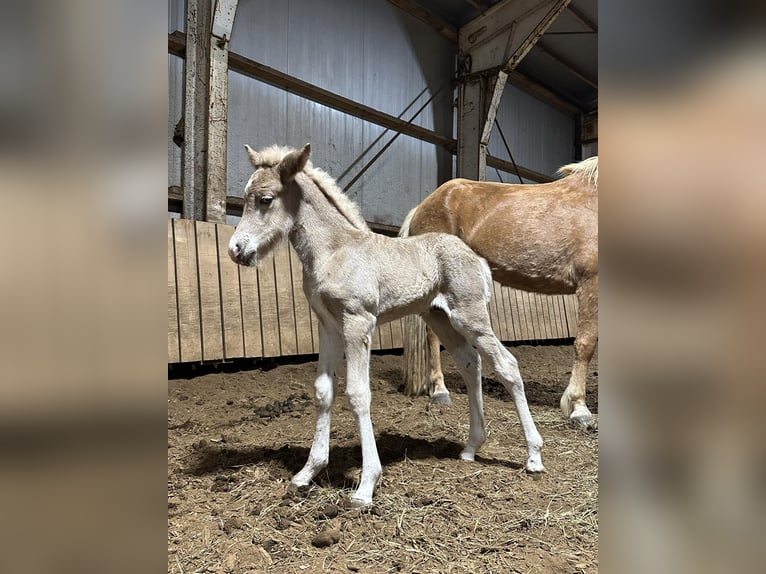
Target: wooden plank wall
218 310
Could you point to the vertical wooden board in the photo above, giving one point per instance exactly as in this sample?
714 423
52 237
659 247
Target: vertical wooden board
251 311
521 315
174 352
561 316
541 315
209 291
512 320
301 305
385 335
553 331
529 316
187 286
231 300
285 301
570 304
376 338
534 301
267 288
397 334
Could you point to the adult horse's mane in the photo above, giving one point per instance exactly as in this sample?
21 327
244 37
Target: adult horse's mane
271 156
588 168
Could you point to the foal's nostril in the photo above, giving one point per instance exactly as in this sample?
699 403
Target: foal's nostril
235 251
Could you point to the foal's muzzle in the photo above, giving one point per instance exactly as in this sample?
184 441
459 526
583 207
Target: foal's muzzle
238 255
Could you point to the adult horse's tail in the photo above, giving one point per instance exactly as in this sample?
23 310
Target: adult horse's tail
416 353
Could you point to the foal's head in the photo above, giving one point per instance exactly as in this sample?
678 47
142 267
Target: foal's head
269 211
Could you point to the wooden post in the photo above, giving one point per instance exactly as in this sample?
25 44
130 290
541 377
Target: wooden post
196 76
223 20
491 46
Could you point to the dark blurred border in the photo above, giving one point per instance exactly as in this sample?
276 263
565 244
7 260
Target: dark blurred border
83 112
682 144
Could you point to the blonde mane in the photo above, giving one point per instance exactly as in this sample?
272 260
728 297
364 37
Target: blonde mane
272 155
588 168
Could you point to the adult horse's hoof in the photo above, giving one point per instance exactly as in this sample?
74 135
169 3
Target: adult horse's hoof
441 399
582 416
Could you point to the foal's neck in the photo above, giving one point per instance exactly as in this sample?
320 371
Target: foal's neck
320 228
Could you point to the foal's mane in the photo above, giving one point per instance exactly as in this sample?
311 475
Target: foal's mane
271 156
588 168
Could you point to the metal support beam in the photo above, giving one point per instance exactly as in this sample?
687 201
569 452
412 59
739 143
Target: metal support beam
223 20
196 101
517 78
480 6
573 68
436 22
478 100
589 24
504 34
490 46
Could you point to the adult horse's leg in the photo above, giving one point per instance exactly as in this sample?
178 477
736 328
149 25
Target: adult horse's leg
573 399
330 353
439 393
468 363
474 324
357 333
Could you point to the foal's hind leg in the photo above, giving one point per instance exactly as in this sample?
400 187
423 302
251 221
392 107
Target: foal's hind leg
439 393
330 353
473 323
573 399
468 363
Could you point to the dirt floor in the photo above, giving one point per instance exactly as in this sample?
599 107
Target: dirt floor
236 438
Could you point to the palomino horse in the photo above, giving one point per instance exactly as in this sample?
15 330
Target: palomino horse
541 238
354 278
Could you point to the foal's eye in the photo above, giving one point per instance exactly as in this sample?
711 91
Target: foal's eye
266 199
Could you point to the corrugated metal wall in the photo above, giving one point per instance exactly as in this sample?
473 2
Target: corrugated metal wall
540 137
375 54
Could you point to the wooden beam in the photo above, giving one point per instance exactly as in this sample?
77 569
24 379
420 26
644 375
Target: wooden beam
215 199
504 34
480 6
517 78
524 172
436 22
573 68
314 93
543 93
590 24
196 102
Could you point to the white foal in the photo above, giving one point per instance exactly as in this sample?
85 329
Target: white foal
353 279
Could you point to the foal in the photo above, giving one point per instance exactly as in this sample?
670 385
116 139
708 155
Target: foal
354 278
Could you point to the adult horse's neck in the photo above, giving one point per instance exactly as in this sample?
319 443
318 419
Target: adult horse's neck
321 227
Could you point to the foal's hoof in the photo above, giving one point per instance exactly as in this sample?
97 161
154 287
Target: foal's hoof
441 399
354 502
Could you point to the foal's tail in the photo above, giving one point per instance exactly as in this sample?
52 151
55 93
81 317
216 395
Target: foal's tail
404 231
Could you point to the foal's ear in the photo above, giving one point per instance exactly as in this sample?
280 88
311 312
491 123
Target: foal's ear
293 163
253 155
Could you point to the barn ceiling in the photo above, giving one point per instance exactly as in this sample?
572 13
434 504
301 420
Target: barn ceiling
564 60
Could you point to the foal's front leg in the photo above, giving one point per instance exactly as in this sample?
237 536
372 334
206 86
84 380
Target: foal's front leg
357 332
330 352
